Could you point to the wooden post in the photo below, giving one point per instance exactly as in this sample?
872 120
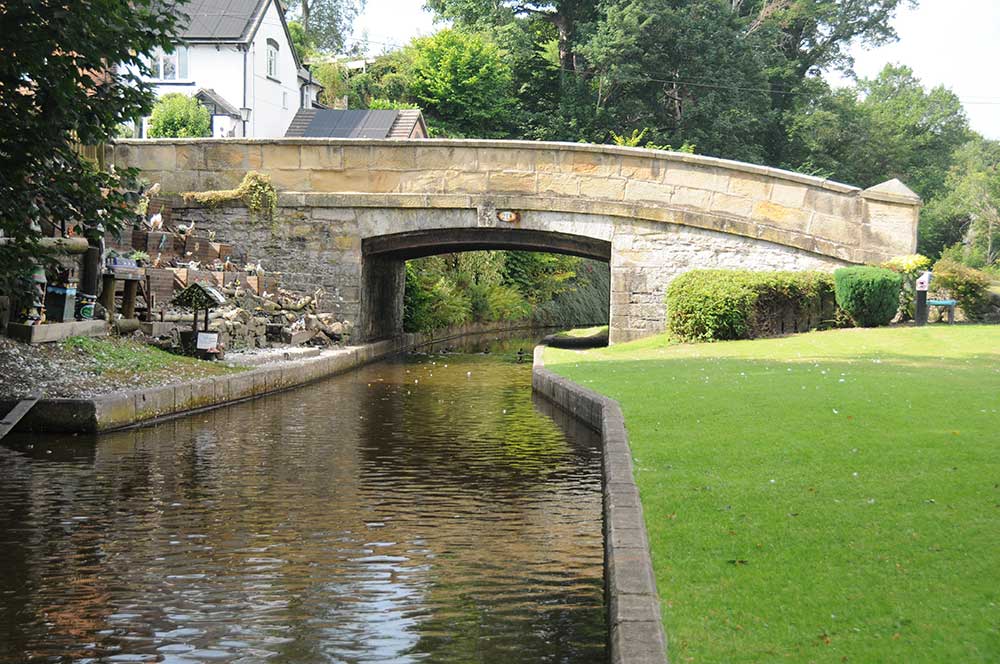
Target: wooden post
128 298
108 293
920 315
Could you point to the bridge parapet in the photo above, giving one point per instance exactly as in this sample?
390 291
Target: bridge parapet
816 215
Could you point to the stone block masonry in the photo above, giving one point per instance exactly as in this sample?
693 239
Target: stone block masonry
660 213
315 244
635 626
858 226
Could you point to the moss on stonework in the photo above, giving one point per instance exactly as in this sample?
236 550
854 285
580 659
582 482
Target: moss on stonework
255 192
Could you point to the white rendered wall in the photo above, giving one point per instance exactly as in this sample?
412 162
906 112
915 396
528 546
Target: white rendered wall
268 118
220 68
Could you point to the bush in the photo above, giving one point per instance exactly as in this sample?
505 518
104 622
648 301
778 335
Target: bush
969 286
433 302
176 115
910 267
710 305
974 257
506 303
497 302
869 295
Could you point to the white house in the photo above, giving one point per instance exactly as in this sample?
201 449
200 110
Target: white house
237 59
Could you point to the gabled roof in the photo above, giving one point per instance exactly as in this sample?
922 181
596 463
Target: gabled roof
208 96
407 123
220 20
306 77
229 22
330 123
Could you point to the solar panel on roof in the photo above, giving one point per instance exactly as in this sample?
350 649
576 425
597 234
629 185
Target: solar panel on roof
323 125
330 123
346 122
376 124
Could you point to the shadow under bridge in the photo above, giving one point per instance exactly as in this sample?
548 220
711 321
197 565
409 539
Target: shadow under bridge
383 272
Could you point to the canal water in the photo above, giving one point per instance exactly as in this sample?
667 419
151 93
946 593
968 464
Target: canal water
420 509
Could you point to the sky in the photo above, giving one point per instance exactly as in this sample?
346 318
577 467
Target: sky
955 43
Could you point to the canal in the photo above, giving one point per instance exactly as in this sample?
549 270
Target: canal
423 508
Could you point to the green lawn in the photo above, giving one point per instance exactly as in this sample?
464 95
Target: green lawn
583 332
119 358
827 497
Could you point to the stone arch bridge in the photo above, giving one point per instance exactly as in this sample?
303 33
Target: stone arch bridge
351 211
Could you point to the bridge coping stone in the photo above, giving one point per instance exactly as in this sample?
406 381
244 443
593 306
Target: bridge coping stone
801 211
567 147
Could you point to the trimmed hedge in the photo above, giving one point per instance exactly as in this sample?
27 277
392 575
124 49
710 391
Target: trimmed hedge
712 305
869 295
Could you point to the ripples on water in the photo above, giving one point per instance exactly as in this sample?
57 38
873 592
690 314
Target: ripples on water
411 511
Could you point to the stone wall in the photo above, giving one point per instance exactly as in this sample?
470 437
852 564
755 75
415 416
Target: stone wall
314 245
661 213
790 209
647 256
311 248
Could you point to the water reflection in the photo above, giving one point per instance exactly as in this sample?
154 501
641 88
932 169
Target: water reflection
417 510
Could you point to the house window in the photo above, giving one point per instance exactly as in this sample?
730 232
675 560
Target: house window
169 66
272 58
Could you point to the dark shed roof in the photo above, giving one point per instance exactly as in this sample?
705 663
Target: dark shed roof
329 123
221 20
215 102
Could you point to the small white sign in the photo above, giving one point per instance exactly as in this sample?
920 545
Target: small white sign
924 282
207 340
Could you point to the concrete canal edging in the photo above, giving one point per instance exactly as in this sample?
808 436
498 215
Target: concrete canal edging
143 406
149 405
635 626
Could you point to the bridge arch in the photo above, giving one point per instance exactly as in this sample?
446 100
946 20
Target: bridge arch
660 212
384 261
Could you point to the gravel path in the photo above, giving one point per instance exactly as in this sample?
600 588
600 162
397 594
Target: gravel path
55 371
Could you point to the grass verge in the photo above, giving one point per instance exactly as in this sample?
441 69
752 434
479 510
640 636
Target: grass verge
583 332
828 497
124 358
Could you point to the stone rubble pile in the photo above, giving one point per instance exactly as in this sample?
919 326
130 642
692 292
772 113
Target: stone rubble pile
249 320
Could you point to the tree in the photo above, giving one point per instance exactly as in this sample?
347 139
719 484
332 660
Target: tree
814 36
463 83
176 115
71 76
802 39
326 23
882 128
968 210
304 44
565 15
683 70
387 78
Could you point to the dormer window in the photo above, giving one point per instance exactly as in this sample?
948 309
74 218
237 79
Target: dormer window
272 59
169 66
